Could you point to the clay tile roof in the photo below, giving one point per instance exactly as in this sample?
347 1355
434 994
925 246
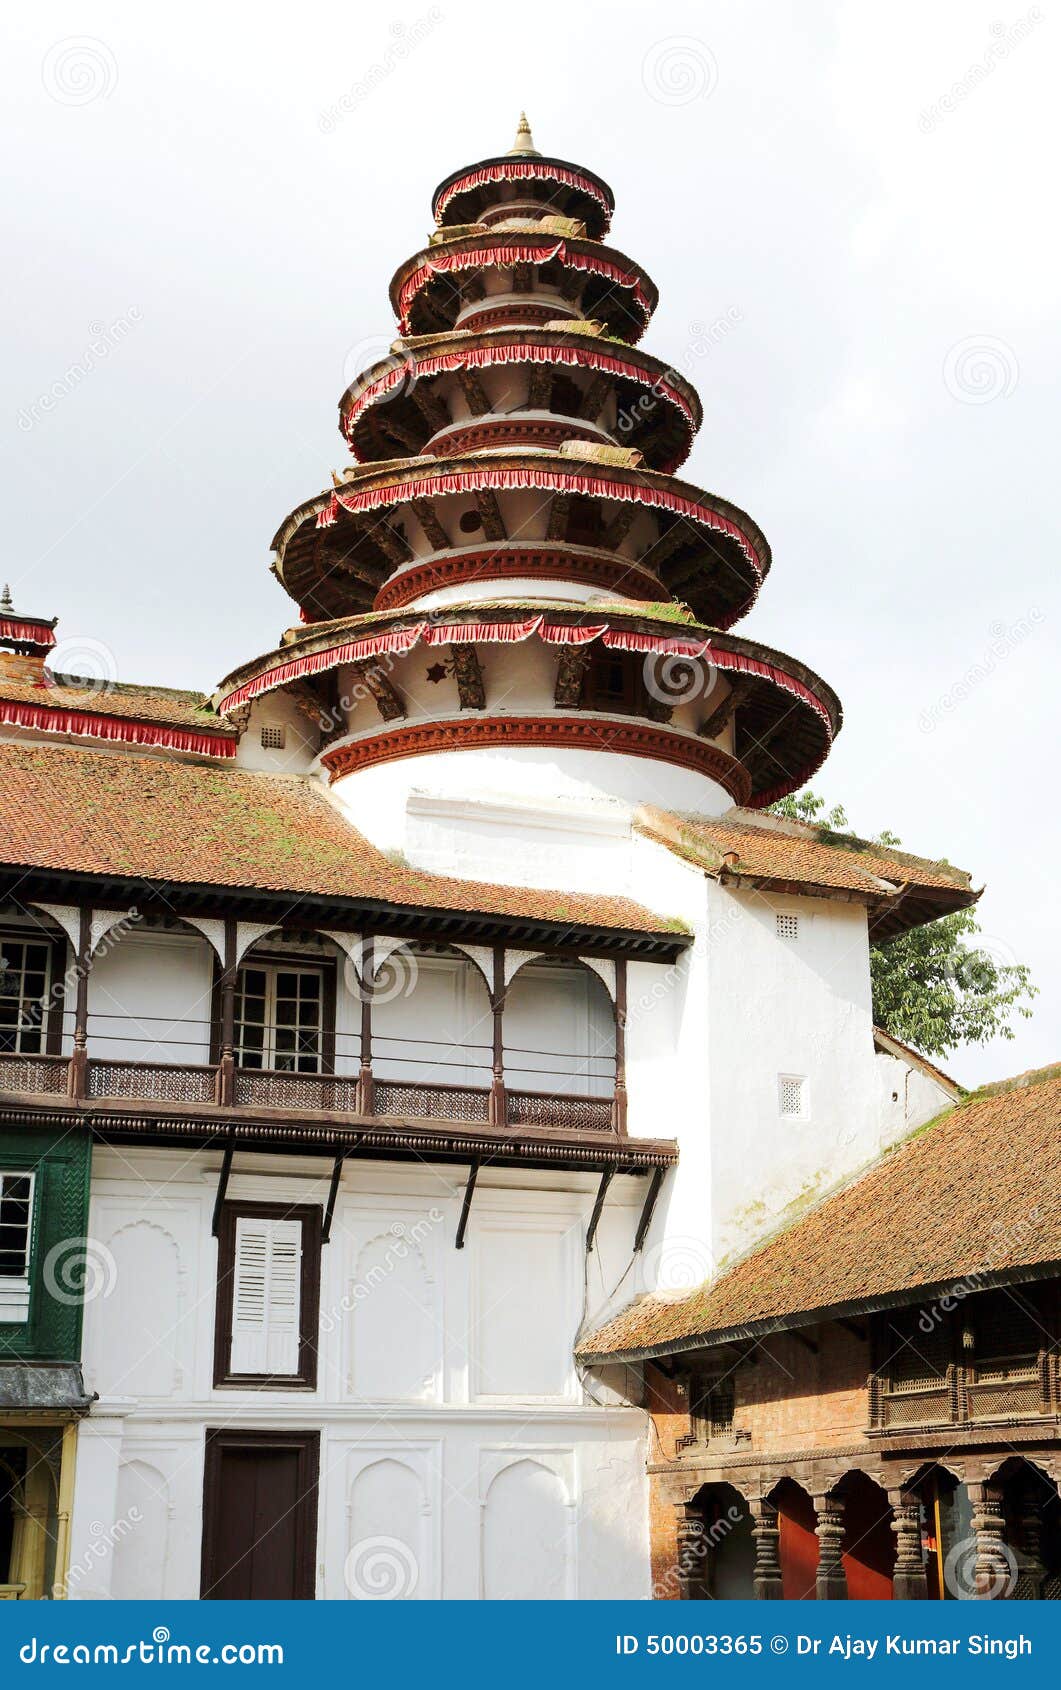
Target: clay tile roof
137 703
745 847
976 1193
158 818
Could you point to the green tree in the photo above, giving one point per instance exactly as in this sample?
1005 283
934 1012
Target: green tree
932 987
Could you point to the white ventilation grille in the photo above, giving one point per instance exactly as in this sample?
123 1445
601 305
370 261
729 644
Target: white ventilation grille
790 1089
788 926
274 736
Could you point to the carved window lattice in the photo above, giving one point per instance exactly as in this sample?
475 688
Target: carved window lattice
985 1360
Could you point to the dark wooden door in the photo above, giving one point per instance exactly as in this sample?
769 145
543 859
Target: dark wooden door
260 1515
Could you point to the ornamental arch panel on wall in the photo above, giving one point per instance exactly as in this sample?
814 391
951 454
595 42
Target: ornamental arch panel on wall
528 1533
394 1323
390 1540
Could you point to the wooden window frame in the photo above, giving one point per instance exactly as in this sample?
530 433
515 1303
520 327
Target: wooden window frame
26 1278
220 1438
309 1297
51 1043
326 966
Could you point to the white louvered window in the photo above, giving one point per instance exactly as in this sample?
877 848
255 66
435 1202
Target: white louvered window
16 1229
787 925
791 1099
266 1297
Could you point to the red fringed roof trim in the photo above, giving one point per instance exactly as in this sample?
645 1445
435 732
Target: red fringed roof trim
34 633
480 357
498 255
89 725
441 482
468 633
522 170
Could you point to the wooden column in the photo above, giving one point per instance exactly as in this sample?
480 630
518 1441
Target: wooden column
993 1567
1032 1577
366 1084
226 1068
498 1096
692 1553
831 1583
82 963
619 1100
767 1534
910 1579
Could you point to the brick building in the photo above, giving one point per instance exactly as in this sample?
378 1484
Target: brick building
869 1403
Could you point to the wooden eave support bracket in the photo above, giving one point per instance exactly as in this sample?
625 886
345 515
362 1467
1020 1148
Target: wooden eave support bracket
598 1205
801 1338
650 1203
333 1192
222 1187
469 1190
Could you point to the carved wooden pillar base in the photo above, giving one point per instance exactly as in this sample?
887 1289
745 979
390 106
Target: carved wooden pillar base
366 1091
692 1553
767 1535
77 1079
498 1112
910 1580
993 1567
831 1582
226 1080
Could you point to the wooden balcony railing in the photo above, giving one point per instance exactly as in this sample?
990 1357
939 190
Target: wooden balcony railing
198 1084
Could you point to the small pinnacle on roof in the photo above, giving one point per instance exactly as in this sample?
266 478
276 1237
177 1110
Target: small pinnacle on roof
5 598
524 142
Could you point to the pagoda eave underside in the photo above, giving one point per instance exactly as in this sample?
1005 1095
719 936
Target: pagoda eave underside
425 291
337 551
380 413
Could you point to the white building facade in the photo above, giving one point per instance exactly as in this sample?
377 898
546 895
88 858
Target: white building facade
442 985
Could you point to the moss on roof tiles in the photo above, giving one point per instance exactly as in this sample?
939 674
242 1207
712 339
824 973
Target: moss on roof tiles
975 1191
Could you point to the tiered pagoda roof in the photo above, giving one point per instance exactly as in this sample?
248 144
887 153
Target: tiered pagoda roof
514 479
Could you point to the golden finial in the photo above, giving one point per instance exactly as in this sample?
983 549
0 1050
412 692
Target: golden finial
524 139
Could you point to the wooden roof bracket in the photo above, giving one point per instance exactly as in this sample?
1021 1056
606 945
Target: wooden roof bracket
598 1205
469 1189
333 1192
222 1185
650 1203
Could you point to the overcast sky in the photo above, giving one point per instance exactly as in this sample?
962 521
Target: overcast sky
851 215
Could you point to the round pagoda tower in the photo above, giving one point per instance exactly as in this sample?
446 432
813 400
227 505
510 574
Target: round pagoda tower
512 591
